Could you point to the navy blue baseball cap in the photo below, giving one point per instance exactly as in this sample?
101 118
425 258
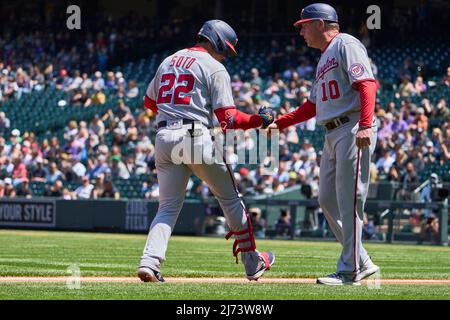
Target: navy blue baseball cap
317 11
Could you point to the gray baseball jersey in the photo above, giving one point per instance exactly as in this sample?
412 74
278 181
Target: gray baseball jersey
190 84
343 63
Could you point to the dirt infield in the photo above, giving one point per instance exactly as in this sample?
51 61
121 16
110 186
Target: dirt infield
215 280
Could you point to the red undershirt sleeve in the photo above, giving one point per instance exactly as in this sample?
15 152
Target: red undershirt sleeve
231 118
150 104
367 94
303 113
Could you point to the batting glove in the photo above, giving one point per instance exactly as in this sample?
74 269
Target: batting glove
267 115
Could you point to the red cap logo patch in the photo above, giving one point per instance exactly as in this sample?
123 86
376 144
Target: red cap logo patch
356 70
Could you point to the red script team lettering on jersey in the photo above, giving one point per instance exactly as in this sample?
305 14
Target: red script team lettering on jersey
329 65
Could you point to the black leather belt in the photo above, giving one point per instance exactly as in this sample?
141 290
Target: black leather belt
333 124
185 121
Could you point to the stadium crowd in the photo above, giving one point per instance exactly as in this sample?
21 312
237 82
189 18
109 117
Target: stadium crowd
405 143
34 56
117 144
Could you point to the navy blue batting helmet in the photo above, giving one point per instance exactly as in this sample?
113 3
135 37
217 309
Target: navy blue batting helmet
221 36
317 11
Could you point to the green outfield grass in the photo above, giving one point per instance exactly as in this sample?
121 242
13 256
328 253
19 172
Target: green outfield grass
41 253
250 291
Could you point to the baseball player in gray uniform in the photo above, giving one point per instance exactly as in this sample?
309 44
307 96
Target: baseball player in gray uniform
343 100
188 87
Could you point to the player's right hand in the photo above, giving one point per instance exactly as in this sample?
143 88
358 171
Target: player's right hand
363 137
272 126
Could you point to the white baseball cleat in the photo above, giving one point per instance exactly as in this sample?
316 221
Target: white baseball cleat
366 272
148 275
337 279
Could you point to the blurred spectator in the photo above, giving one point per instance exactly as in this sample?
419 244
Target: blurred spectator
97 126
4 123
24 189
97 98
406 88
236 82
385 162
246 183
53 173
256 79
133 90
214 224
277 186
409 182
79 97
109 190
9 192
398 124
441 110
123 112
385 130
99 83
118 168
369 230
420 122
20 172
429 230
39 173
293 178
86 82
98 186
76 82
56 190
283 225
273 98
419 86
85 190
78 169
258 223
111 81
101 167
305 69
66 194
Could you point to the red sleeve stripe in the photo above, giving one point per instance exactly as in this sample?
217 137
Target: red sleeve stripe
150 104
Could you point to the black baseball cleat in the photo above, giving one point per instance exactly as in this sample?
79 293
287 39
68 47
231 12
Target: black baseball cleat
149 275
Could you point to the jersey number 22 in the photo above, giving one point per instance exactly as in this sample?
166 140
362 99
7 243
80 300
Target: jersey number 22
184 84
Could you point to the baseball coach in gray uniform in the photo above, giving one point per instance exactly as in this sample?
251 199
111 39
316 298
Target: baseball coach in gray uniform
343 100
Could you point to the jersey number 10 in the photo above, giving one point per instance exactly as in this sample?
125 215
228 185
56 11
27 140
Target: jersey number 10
184 84
333 90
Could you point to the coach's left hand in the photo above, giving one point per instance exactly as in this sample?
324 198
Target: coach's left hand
363 137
